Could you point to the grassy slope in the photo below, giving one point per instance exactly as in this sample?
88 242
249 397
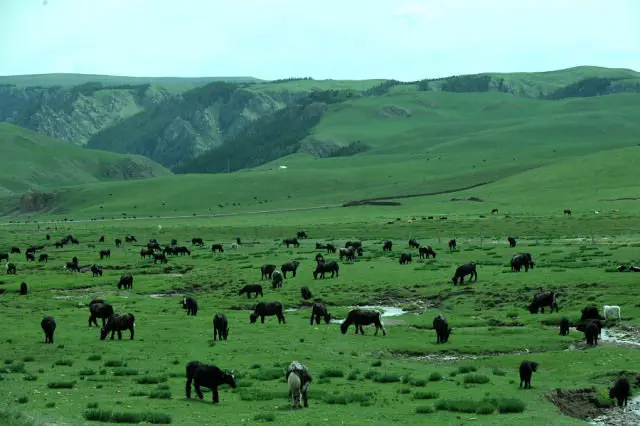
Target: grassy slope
31 160
259 352
77 79
449 142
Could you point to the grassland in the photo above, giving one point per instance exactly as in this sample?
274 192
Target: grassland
403 377
32 160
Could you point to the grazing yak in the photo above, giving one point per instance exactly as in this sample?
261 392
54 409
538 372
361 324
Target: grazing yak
621 391
323 268
387 246
4 256
130 239
360 317
318 310
305 293
413 243
118 323
267 270
267 309
609 311
452 245
494 211
441 326
99 309
527 368
105 253
72 266
208 376
30 257
512 242
405 258
146 252
96 270
591 333
427 251
355 244
276 279
48 325
319 258
217 248
251 288
331 248
567 212
290 267
10 268
23 289
160 257
590 313
190 304
464 270
197 242
101 239
521 259
118 242
349 253
220 327
291 242
15 250
126 281
170 250
540 300
564 327
321 246
301 234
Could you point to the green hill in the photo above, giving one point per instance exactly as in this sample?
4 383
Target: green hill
69 80
32 161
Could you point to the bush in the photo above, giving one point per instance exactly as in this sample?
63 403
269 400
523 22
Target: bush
160 394
151 380
418 382
125 372
138 393
457 405
94 358
61 385
92 405
353 375
50 405
476 379
386 378
510 405
22 400
377 363
435 377
425 409
484 407
163 386
498 372
28 358
113 363
404 391
14 368
86 372
467 369
331 372
264 417
64 362
426 395
30 378
107 416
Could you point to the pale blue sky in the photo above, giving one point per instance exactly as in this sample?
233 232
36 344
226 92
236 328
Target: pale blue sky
350 39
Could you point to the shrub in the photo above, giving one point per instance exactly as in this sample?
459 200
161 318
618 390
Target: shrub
476 379
331 372
435 377
404 391
160 394
163 386
426 395
28 358
386 378
113 363
86 372
498 372
30 378
457 405
264 417
485 407
64 362
50 405
353 375
14 368
425 409
510 405
377 363
418 382
92 405
22 400
370 374
61 385
125 372
94 358
467 369
107 416
138 393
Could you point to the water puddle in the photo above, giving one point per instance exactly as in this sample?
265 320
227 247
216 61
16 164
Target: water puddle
163 295
620 337
445 358
386 311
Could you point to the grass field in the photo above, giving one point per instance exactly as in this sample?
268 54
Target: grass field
32 160
403 377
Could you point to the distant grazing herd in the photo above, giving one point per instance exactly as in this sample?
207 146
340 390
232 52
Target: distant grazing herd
591 322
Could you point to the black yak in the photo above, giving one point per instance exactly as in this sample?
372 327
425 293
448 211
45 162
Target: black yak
118 323
10 268
160 257
427 251
331 248
349 253
251 288
521 259
301 234
441 326
540 300
197 242
621 391
360 317
527 368
101 239
512 242
464 270
567 212
105 253
413 243
590 313
182 250
564 327
190 304
217 248
126 281
387 246
23 289
15 250
322 268
405 258
48 325
276 279
220 327
290 267
305 293
591 333
319 258
452 244
130 239
355 244
291 242
118 242
4 256
96 270
208 376
30 257
267 270
267 309
319 310
99 310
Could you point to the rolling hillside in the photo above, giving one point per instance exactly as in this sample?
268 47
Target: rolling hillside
32 161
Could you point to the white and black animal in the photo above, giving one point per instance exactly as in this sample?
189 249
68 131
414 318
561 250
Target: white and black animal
441 326
191 305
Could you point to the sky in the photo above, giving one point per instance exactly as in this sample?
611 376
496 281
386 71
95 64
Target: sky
340 39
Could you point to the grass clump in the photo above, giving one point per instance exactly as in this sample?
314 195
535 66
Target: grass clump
30 378
125 372
61 385
479 379
64 362
264 417
467 369
425 409
331 372
457 405
113 363
108 416
498 372
94 358
14 368
269 374
160 394
28 358
386 378
418 382
435 377
50 405
510 405
87 372
426 395
22 400
92 405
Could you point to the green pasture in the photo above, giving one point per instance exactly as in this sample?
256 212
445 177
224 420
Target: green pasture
403 377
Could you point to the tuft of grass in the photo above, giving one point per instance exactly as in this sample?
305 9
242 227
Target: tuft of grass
28 358
125 372
91 405
331 372
498 372
510 405
264 417
113 363
269 374
108 416
425 409
50 404
22 400
376 363
479 379
426 395
86 372
457 405
418 382
14 368
467 369
94 357
151 380
30 378
160 394
61 385
64 362
386 378
435 377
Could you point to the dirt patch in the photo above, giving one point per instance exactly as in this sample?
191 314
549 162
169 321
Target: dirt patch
620 417
579 403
